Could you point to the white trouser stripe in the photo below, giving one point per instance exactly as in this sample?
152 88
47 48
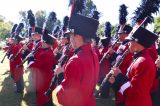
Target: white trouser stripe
124 87
30 63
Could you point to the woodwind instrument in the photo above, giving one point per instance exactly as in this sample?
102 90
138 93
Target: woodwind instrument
107 53
55 78
105 86
7 52
30 54
20 50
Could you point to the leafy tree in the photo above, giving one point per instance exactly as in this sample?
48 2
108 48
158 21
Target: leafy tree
5 28
40 18
2 18
90 7
100 31
58 22
157 24
23 18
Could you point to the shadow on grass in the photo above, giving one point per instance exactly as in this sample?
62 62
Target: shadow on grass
8 97
110 101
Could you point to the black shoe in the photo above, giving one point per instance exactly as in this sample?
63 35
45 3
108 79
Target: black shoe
33 104
19 91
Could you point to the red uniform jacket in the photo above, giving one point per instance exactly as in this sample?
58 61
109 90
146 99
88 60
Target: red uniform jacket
37 47
81 75
67 50
154 55
42 74
141 76
123 67
126 61
104 66
30 46
16 73
97 51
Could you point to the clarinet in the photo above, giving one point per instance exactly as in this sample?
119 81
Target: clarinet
105 86
55 78
20 50
31 53
5 55
107 53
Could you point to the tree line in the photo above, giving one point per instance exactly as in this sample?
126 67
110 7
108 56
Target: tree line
5 27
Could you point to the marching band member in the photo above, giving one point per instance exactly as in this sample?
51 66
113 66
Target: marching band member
16 72
141 73
42 67
81 71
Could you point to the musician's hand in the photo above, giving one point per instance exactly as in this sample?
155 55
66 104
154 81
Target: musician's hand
110 50
112 79
24 47
157 63
115 71
58 70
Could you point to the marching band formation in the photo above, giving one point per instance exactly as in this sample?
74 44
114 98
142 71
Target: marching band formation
72 61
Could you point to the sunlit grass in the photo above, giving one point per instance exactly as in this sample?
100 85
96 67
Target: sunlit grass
9 98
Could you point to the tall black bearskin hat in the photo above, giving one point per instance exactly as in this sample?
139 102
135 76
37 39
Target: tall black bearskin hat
122 14
97 40
96 15
122 18
33 30
105 42
56 31
31 18
146 9
78 24
126 29
19 38
37 30
13 30
65 24
19 28
64 31
108 29
49 23
47 38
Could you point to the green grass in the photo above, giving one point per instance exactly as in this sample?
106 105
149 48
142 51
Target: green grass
9 98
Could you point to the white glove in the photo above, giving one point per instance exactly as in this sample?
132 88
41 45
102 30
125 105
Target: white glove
58 70
157 63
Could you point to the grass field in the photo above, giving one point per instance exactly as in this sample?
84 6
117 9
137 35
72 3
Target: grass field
9 98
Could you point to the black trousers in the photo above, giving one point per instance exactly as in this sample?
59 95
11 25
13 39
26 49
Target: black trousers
20 85
156 97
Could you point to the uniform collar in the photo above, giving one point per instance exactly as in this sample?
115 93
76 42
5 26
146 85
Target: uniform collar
37 41
84 47
137 54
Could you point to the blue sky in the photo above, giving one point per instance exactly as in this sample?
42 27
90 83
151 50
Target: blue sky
108 8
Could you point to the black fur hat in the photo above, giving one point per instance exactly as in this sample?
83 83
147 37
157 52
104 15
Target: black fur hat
47 38
126 29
